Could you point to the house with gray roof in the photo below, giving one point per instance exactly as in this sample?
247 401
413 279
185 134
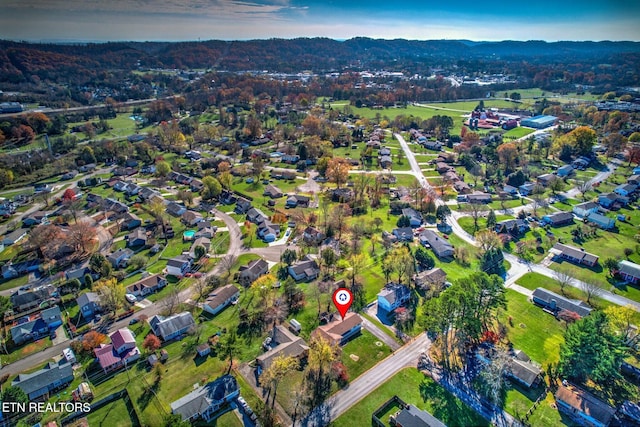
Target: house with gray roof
168 328
32 330
205 401
120 257
556 303
304 270
575 255
392 296
281 342
89 304
412 416
441 247
629 271
250 272
220 298
40 384
584 209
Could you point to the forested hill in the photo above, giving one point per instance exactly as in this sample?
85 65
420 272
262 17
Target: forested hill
19 61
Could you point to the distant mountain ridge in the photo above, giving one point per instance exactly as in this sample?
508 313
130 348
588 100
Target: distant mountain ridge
289 55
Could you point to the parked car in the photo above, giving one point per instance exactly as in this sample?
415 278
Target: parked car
131 298
134 321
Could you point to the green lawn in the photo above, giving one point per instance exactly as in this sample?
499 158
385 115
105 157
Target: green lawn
413 387
367 349
535 332
518 132
118 413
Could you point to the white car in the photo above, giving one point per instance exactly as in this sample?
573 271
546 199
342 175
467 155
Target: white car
131 298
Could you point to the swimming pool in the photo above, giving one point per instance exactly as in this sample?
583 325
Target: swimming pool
188 235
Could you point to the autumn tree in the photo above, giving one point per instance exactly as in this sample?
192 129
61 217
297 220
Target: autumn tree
92 339
488 240
280 367
111 294
508 154
337 171
80 235
151 343
321 356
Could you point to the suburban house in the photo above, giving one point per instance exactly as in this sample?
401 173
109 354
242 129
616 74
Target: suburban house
175 209
191 218
178 266
403 234
14 237
625 189
220 298
546 179
273 192
510 190
584 209
297 201
634 179
168 328
479 197
556 303
304 270
205 242
412 416
120 353
313 236
612 200
526 189
522 370
415 218
35 218
137 237
583 407
203 349
565 170
268 231
23 300
89 304
434 278
393 296
385 161
515 227
250 272
281 342
558 219
52 317
29 331
601 221
120 257
130 221
339 331
629 271
40 384
147 286
573 254
441 247
206 400
242 206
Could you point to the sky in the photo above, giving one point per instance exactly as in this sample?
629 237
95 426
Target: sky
181 20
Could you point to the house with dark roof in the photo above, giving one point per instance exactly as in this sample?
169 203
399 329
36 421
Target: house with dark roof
89 304
339 331
168 328
341 195
250 272
479 197
565 170
178 266
273 192
137 237
583 407
297 201
393 296
558 219
147 285
281 342
120 353
268 231
415 218
526 188
220 298
130 221
52 317
584 209
205 401
191 218
39 385
242 206
411 416
575 255
441 247
556 303
515 227
601 221
26 299
612 200
313 236
403 234
120 257
256 216
31 330
304 270
15 236
629 271
175 209
546 179
625 190
521 369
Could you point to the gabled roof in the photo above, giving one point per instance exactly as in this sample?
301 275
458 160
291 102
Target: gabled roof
288 344
334 330
165 326
576 253
51 373
629 268
256 266
221 295
121 337
88 298
586 403
394 292
178 261
411 416
200 399
560 217
549 297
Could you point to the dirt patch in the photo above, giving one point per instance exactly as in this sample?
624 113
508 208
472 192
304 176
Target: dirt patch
354 357
378 343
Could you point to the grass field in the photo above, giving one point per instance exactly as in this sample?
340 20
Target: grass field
413 387
518 132
365 348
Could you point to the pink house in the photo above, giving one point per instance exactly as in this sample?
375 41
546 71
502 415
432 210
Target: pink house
121 352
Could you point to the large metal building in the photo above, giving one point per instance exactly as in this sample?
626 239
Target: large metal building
539 122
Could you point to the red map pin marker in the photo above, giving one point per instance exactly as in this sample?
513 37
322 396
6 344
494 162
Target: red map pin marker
342 299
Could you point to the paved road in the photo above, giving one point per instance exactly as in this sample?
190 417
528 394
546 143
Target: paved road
367 382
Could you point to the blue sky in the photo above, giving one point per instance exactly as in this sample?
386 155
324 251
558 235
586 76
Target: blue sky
172 20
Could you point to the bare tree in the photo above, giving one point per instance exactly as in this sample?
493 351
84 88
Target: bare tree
583 187
591 289
201 288
563 279
475 210
227 262
493 375
171 303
